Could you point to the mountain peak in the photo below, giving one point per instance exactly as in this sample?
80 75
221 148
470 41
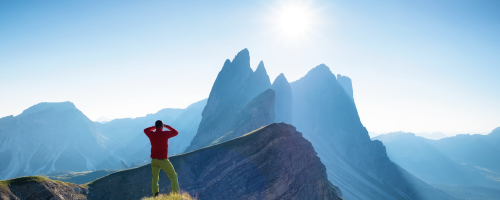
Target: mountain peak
242 57
496 131
283 106
238 69
59 106
261 67
261 70
280 79
322 68
320 71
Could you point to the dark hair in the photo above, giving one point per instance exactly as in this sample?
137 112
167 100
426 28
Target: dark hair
158 124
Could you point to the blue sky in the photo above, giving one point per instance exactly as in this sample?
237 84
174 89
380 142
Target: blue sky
416 66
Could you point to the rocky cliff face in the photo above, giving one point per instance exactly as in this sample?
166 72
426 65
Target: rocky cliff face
37 187
325 112
50 137
321 105
346 83
256 113
234 87
273 162
283 107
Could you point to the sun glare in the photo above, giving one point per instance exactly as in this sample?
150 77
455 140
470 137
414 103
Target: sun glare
293 21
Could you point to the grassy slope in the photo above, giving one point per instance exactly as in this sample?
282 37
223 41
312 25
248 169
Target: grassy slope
171 196
5 185
24 180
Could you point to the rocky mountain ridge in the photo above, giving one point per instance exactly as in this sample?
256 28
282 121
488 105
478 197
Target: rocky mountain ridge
273 162
241 168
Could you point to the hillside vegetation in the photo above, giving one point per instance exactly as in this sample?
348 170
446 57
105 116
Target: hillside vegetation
171 196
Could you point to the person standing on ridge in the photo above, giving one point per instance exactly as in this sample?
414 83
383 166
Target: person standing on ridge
159 155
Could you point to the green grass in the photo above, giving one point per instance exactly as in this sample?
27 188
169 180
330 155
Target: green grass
36 179
24 180
171 196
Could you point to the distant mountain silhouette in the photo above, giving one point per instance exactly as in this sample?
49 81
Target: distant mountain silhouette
49 137
126 137
463 160
103 119
433 136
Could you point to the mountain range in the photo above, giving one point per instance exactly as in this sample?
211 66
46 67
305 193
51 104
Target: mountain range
125 137
322 108
216 150
49 137
463 160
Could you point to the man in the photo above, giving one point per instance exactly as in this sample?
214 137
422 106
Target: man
159 154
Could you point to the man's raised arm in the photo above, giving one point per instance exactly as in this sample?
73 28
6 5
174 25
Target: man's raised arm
149 129
172 131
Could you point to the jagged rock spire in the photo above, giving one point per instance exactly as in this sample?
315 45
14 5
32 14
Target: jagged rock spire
284 100
234 87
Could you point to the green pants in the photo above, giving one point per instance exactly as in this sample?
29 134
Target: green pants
167 167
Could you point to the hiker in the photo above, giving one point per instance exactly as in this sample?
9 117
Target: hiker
159 154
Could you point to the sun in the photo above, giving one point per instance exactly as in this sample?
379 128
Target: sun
293 21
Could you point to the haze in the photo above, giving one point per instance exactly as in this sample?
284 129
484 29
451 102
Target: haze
416 66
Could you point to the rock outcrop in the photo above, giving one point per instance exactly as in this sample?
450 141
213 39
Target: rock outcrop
38 187
283 107
326 114
235 86
273 162
49 137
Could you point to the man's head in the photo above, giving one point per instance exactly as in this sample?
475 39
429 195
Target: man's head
158 124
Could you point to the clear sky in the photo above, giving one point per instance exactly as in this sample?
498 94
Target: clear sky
416 66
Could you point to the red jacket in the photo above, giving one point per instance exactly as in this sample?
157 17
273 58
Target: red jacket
159 141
